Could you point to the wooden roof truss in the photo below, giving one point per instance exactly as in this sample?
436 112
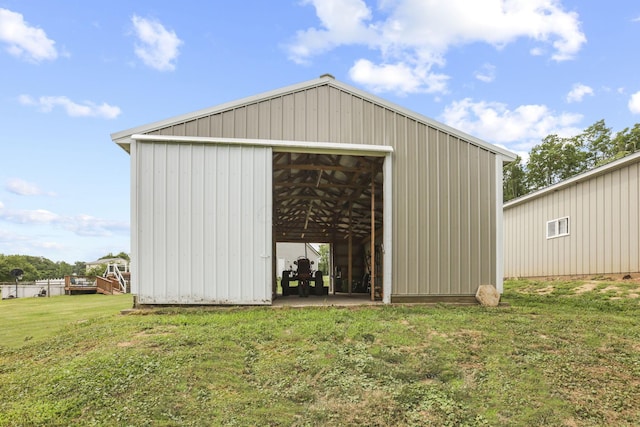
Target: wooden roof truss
324 197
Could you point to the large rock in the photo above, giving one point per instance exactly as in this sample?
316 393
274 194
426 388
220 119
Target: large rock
488 296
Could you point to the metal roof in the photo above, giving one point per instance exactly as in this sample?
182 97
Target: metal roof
609 167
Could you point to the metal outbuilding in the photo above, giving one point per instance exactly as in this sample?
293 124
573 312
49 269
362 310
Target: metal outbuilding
415 203
586 225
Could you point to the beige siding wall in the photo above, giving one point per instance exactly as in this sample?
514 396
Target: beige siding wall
603 225
443 187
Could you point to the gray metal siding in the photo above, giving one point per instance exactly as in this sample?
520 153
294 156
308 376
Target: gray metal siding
603 225
443 188
203 215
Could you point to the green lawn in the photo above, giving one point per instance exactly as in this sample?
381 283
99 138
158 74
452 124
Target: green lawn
557 354
34 319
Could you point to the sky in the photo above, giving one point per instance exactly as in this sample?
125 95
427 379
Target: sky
73 72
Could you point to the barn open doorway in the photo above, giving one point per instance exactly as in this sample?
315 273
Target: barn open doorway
334 199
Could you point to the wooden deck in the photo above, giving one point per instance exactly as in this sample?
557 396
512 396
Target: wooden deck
99 285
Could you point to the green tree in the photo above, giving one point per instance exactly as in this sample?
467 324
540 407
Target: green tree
596 141
627 141
554 160
514 180
122 255
323 263
64 269
96 271
23 262
79 268
544 163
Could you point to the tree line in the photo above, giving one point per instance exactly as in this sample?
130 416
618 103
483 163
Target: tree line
556 158
36 268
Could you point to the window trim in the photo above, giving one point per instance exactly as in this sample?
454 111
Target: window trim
556 223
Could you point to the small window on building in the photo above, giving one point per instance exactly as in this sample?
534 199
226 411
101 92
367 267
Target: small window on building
558 227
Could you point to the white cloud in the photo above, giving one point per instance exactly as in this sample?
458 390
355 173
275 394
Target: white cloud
578 92
401 78
24 188
82 225
11 242
634 103
23 40
519 129
73 109
487 73
536 51
344 23
156 46
417 34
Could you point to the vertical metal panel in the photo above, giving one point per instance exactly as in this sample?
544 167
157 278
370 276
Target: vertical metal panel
228 125
465 218
616 222
136 168
474 213
622 261
406 204
634 221
603 224
179 129
357 120
575 245
334 115
204 126
191 127
288 117
454 213
419 192
253 121
216 125
264 120
203 224
346 117
499 255
379 133
300 116
368 126
323 113
311 119
444 213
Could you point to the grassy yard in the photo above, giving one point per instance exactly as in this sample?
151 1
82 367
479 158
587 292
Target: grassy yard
560 353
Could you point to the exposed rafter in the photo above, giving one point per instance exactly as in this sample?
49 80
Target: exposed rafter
313 192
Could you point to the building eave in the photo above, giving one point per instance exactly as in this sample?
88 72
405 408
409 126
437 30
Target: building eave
609 167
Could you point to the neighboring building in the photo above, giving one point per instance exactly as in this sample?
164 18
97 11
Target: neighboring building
213 191
586 225
122 263
287 253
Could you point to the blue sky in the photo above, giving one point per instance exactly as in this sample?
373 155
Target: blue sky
73 72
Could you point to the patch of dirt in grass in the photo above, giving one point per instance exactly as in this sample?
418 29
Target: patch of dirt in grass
125 344
586 287
545 291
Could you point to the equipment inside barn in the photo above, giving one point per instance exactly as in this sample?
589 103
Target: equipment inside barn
304 275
